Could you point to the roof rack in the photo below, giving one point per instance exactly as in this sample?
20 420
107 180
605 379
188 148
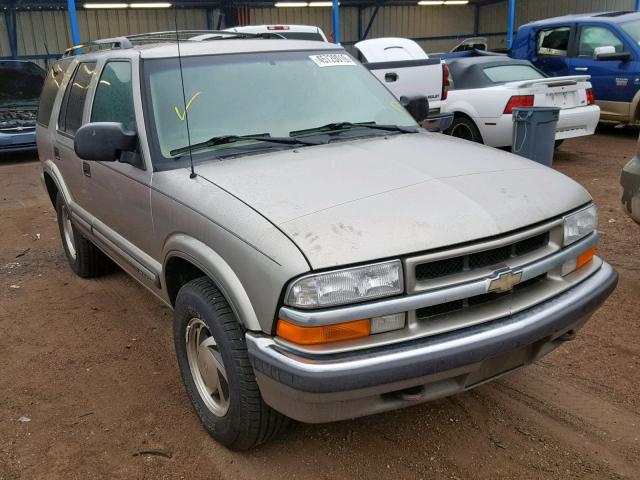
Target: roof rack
166 36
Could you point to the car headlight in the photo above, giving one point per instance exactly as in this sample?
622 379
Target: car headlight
580 224
349 285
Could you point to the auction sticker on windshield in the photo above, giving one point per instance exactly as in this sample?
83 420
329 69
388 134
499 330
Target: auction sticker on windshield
332 60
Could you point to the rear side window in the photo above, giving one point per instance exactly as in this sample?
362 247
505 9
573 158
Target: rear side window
554 42
50 91
302 36
592 37
512 73
70 119
114 97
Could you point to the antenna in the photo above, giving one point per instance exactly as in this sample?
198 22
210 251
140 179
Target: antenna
184 97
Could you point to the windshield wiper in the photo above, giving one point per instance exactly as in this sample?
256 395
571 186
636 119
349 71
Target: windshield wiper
227 139
341 126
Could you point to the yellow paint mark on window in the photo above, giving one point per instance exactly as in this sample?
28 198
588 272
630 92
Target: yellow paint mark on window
183 115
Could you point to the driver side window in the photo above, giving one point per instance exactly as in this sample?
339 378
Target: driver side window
554 42
593 37
113 101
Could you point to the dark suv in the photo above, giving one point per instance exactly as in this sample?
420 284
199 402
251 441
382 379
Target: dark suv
20 86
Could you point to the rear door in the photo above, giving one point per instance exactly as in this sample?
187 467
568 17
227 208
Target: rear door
612 80
552 49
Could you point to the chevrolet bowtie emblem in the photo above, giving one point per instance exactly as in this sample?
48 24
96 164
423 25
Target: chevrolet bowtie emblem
505 281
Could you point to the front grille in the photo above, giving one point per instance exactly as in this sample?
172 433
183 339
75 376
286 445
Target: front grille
450 307
482 259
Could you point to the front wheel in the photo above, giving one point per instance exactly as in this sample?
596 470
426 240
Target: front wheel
463 127
214 364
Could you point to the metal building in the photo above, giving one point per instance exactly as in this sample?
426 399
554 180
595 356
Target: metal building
40 29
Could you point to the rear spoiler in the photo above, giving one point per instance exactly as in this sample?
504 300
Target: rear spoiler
551 81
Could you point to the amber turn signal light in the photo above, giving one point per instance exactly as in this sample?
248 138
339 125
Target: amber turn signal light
324 333
585 257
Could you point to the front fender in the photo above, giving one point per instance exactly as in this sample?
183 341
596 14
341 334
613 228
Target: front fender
217 269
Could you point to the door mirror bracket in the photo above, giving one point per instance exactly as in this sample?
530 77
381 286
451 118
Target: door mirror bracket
608 52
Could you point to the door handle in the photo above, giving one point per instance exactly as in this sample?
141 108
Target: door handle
390 77
582 69
86 169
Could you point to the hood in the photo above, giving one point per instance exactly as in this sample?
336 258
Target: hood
372 199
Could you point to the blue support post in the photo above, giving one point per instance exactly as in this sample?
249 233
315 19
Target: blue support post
12 30
209 19
73 21
511 21
637 4
336 22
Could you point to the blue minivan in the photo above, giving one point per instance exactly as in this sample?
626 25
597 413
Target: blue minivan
603 45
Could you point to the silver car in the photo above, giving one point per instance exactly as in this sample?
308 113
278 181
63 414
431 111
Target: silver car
324 256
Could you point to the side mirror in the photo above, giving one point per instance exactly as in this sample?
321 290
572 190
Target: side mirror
104 141
417 106
609 53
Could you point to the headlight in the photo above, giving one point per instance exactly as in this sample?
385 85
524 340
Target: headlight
346 286
580 224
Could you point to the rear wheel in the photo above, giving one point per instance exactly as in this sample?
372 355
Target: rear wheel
214 364
84 258
463 127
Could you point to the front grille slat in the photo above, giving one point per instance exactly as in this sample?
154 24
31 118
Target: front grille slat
482 261
426 313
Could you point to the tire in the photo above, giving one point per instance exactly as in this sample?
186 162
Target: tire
463 127
208 337
84 258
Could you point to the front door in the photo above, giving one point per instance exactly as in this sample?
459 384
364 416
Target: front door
118 193
612 80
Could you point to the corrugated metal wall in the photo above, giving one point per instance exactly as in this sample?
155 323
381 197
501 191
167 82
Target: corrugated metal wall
42 32
406 21
51 28
493 18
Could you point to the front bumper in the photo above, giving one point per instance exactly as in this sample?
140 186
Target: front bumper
340 386
18 142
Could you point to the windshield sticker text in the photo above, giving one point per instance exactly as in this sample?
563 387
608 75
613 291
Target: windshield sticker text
332 60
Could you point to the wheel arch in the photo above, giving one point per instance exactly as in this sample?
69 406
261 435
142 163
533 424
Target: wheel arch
462 114
186 258
51 186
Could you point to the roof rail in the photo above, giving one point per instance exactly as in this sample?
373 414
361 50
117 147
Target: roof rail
116 42
167 36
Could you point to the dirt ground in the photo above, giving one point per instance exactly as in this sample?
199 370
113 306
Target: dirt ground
91 365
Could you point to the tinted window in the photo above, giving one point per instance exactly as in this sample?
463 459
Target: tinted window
20 83
302 36
592 37
50 91
511 73
114 99
633 30
73 103
554 42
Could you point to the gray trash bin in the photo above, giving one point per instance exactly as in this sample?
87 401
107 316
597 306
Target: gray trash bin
534 133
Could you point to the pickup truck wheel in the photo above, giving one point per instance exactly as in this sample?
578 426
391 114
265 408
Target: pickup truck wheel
464 128
214 364
84 258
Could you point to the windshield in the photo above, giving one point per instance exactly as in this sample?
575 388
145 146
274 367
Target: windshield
633 30
20 84
272 93
512 73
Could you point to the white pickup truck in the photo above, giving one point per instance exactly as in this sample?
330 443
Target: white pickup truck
407 71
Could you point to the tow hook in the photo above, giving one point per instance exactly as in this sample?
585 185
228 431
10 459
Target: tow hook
568 336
